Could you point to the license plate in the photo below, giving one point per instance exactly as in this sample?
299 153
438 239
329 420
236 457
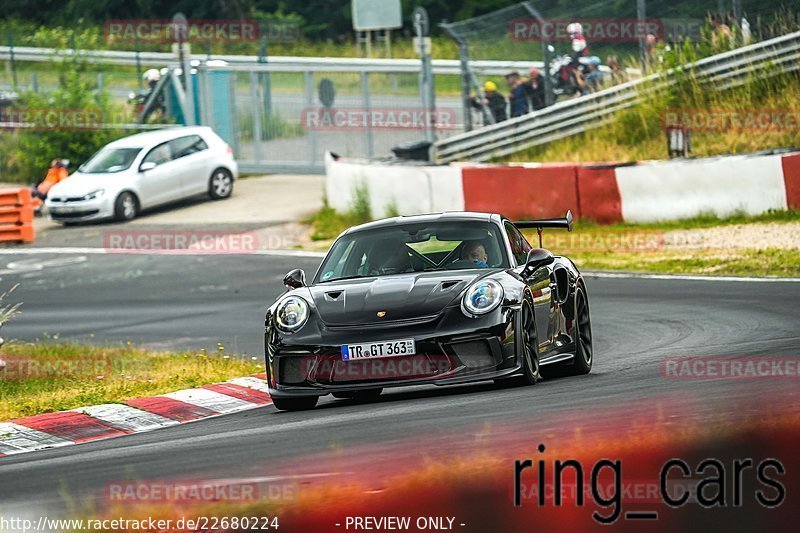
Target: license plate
64 209
374 350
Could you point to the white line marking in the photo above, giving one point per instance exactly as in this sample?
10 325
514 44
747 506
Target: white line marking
122 251
680 277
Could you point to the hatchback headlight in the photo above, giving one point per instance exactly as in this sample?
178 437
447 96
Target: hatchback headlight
482 297
94 194
292 313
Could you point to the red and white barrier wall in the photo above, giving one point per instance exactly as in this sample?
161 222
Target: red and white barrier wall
644 192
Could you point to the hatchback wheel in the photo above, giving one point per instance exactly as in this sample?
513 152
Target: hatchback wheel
126 206
221 184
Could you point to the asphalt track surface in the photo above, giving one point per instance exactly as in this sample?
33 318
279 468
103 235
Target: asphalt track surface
196 301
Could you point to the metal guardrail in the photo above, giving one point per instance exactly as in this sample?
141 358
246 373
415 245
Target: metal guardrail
277 63
570 117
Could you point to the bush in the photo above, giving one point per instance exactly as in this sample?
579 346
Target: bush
26 153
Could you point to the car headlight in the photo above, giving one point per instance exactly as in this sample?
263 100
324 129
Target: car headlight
292 313
94 194
482 297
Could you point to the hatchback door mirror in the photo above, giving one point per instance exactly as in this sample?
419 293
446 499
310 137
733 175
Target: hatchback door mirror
144 167
295 279
537 258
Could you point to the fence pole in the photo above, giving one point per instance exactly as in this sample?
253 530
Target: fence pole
312 135
367 105
641 14
11 56
138 62
256 110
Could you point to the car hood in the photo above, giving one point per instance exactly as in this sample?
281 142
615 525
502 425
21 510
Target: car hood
400 297
77 184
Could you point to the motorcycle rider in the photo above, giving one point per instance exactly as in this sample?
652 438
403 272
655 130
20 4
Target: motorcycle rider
580 47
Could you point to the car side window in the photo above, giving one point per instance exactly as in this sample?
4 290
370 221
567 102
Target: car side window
188 145
159 155
519 244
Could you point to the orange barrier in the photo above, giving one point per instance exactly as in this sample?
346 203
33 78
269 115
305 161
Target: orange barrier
16 215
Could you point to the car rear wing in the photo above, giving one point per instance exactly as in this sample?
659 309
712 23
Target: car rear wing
540 224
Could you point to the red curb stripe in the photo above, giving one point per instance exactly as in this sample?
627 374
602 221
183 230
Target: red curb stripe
242 393
791 180
170 408
520 192
260 376
72 426
599 195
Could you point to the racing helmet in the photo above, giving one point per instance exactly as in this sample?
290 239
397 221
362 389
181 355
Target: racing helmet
151 75
574 29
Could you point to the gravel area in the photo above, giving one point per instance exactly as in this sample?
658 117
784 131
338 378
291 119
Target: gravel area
756 236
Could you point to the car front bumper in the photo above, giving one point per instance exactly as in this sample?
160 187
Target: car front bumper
450 350
80 211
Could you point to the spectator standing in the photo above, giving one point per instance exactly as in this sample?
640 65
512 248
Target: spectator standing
492 99
534 89
618 74
518 98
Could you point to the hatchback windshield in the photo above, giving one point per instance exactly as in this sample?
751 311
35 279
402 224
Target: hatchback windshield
110 160
414 248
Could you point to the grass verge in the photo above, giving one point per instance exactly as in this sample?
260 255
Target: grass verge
42 378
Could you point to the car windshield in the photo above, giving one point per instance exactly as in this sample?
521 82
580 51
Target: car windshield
414 248
110 160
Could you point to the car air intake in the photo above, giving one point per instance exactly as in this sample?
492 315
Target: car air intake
474 354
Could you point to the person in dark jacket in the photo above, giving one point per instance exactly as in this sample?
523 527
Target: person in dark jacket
518 97
534 88
493 100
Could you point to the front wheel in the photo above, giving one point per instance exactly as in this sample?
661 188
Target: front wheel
530 350
220 185
126 207
295 404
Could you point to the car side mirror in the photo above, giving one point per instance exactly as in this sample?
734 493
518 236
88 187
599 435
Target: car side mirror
295 279
537 258
144 167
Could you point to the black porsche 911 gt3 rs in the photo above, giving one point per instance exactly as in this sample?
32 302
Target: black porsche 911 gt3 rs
427 299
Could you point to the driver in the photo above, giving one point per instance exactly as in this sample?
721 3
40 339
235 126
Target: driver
475 251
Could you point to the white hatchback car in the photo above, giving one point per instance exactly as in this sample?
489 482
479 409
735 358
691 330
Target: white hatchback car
143 171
